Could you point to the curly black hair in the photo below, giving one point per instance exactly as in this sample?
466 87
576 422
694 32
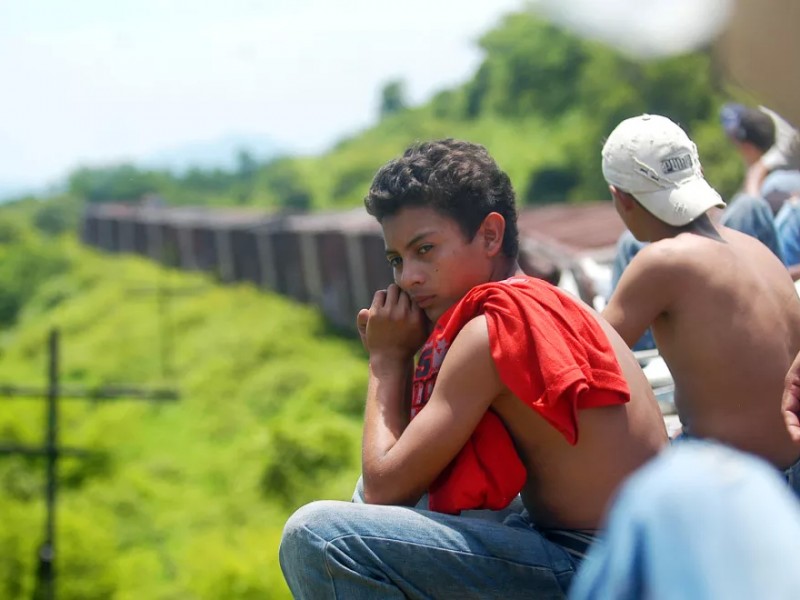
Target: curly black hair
456 178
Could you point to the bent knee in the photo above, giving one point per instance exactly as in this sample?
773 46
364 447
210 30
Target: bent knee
310 520
304 535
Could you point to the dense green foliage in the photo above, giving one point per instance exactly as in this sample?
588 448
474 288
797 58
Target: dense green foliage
185 499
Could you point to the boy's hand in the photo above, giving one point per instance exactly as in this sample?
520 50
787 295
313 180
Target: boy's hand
791 401
393 327
361 324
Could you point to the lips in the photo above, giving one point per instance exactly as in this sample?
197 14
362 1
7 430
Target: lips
423 301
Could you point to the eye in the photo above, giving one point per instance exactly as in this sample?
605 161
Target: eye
395 261
425 248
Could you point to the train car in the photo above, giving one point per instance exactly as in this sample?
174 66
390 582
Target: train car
319 259
231 252
110 227
336 260
352 266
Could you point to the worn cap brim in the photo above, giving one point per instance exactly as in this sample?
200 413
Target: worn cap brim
681 204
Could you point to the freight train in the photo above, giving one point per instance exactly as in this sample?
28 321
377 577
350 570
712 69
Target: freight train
335 260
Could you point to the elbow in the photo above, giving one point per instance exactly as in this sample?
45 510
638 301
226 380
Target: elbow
375 492
379 490
372 496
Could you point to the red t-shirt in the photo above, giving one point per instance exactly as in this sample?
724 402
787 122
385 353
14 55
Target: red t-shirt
549 351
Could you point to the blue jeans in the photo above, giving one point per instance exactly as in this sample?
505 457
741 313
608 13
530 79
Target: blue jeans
351 550
787 222
700 522
779 186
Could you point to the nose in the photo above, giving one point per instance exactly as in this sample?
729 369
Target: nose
408 276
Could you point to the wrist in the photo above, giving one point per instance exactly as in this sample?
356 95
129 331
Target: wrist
382 365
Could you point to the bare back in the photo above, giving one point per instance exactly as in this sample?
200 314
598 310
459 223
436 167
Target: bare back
726 319
571 486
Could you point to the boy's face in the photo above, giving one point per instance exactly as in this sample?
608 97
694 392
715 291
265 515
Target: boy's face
432 260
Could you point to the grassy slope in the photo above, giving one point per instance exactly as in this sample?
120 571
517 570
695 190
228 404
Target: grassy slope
186 500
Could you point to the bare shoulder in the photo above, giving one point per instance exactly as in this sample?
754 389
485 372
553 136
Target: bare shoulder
467 384
670 253
470 350
662 263
733 235
469 376
476 331
743 240
752 252
676 261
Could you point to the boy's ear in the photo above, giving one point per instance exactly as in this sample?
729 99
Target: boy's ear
493 230
625 200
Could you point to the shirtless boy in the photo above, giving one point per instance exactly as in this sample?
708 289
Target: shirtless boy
722 307
449 225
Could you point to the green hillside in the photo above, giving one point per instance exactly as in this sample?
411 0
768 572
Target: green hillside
187 499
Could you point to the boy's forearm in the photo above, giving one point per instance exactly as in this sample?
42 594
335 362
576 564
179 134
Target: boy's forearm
385 418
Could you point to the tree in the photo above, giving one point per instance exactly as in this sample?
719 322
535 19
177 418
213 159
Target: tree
246 164
284 180
57 215
393 98
550 184
531 66
116 183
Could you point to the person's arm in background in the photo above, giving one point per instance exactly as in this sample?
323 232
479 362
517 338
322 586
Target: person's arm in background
784 153
641 294
754 177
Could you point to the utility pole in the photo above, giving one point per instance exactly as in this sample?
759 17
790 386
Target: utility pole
47 551
46 573
164 294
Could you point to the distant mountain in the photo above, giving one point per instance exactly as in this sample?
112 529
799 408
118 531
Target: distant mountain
221 153
12 190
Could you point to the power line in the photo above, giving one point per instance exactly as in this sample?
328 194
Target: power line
164 294
51 451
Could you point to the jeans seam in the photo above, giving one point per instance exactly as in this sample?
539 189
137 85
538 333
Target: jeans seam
459 552
328 569
325 556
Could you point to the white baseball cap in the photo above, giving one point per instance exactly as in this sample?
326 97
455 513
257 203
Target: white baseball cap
653 159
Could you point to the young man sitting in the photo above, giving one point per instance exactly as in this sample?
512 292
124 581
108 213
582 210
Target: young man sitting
723 309
518 388
769 147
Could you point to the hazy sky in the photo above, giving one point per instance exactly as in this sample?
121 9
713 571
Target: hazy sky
87 81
